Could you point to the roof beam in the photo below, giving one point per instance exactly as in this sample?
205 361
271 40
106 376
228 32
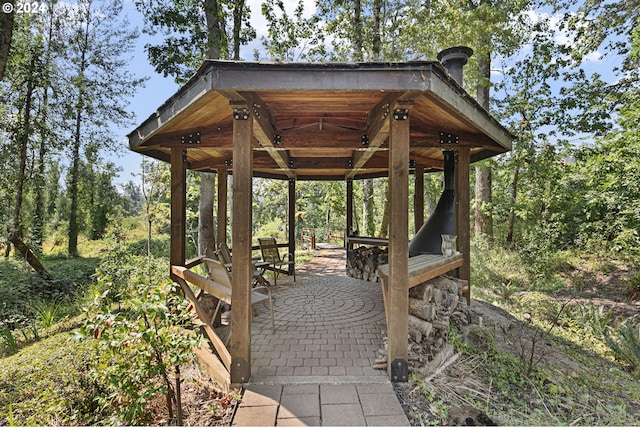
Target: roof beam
377 131
264 130
263 125
378 127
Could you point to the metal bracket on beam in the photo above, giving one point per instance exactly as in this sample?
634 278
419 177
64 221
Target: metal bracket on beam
364 139
291 163
191 138
449 138
256 110
350 163
412 163
228 163
399 371
241 113
240 372
401 114
277 139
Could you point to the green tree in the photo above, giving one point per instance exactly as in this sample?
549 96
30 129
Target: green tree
98 40
194 30
26 76
296 38
6 34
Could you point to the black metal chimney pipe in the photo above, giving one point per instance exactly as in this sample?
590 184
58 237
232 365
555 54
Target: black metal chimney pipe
453 59
428 239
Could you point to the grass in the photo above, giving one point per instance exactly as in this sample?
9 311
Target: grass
547 295
48 383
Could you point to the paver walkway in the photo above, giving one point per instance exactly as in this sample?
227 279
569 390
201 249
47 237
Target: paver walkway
316 368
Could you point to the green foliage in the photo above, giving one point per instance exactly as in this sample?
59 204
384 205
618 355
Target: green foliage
47 313
294 38
624 340
139 344
48 383
193 31
9 342
28 298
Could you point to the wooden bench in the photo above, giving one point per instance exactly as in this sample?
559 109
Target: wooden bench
369 241
421 268
218 284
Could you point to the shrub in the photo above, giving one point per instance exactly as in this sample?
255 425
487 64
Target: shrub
140 344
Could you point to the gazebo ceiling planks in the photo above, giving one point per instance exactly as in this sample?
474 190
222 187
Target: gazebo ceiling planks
319 121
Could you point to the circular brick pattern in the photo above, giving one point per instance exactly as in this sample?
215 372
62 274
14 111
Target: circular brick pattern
328 325
325 304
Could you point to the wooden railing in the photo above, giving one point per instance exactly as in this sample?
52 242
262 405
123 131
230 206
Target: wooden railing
308 237
369 241
339 234
217 366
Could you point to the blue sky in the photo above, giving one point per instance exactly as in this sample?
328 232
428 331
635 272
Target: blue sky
158 89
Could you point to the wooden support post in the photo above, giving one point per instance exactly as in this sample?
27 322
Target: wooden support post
349 208
398 291
222 206
292 222
178 207
463 227
242 277
418 199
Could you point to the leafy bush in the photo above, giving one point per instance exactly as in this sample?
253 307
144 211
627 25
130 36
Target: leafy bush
139 345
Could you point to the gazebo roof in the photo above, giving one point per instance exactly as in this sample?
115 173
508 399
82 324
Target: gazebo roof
319 120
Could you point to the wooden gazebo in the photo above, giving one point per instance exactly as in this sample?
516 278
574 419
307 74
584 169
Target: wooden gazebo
329 121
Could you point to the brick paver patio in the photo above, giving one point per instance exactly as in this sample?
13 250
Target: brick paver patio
316 368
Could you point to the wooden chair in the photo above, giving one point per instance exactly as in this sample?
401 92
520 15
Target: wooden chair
219 274
224 256
271 254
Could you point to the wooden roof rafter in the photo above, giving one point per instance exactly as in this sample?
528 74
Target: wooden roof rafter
377 131
263 127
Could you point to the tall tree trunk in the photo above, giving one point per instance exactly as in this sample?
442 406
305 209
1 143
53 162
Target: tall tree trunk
483 216
368 205
6 34
25 131
384 226
377 36
214 36
72 247
73 186
357 31
38 226
431 204
238 11
368 222
513 188
206 230
38 222
513 194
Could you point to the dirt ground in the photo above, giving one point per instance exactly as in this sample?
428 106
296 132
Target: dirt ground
456 381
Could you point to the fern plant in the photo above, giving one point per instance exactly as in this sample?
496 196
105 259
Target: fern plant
624 341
